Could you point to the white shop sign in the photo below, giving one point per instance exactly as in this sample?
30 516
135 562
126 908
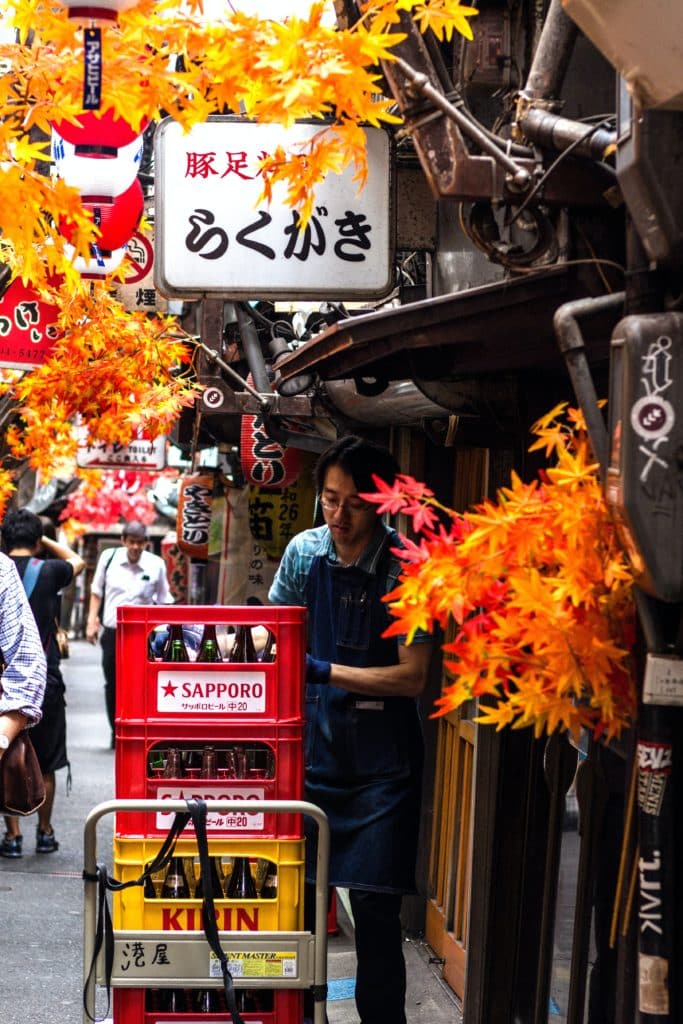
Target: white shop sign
213 236
141 453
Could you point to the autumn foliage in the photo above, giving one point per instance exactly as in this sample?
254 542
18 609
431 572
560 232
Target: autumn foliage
537 587
118 370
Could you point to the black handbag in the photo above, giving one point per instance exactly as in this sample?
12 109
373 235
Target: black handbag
22 789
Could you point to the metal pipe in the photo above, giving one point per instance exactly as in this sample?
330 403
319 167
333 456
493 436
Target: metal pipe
252 349
572 346
421 85
552 56
561 133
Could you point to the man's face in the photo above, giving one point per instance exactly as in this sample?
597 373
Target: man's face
351 520
134 546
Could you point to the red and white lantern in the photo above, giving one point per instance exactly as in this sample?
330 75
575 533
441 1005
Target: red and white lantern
95 168
117 217
265 462
92 10
100 129
100 157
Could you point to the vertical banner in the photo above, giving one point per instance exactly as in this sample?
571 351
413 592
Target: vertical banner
656 865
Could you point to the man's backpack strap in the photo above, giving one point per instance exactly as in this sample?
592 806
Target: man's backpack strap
31 574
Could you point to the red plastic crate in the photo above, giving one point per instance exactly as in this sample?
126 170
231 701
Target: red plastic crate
131 1006
192 692
278 748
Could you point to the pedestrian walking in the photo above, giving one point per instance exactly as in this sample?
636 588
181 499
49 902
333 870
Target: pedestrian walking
43 579
22 683
128 575
363 741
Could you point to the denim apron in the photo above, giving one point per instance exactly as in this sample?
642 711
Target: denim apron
363 754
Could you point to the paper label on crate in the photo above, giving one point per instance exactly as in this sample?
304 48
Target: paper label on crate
253 820
256 964
191 691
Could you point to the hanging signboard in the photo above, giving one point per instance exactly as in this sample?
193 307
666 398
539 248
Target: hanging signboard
142 453
28 327
214 237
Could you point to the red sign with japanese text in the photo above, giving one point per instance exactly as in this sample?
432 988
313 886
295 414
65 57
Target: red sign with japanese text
28 327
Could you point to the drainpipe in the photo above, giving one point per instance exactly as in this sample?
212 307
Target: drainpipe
573 349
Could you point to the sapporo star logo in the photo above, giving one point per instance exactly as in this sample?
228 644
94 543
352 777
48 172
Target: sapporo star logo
169 689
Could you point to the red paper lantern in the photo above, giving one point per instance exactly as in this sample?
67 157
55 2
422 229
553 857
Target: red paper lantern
265 462
92 129
96 169
101 263
195 494
94 9
117 217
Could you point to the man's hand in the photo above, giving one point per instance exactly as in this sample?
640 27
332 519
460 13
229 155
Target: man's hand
92 631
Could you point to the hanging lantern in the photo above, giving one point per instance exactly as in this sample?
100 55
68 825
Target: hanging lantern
264 462
101 263
94 9
96 169
117 218
195 494
98 130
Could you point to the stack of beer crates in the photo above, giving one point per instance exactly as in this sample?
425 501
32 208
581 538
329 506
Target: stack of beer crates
221 730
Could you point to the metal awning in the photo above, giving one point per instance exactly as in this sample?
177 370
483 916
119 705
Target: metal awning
498 328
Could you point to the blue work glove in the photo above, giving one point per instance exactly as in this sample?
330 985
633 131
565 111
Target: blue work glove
317 671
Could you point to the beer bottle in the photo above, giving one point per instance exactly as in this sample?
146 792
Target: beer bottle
208 649
244 998
269 888
241 885
148 889
216 887
176 1001
241 763
174 764
209 763
267 652
243 648
174 648
175 885
207 1001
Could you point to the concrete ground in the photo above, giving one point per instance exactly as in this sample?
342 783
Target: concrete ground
41 896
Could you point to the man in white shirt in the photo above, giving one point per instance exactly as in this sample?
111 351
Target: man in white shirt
128 575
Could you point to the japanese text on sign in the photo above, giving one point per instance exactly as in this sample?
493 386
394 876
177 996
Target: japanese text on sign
211 693
214 235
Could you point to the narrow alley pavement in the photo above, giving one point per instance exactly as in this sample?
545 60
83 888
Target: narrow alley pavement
41 896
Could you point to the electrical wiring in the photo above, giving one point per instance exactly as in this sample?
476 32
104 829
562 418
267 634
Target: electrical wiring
556 162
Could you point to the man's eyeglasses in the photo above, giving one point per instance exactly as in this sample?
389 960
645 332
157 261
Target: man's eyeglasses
350 504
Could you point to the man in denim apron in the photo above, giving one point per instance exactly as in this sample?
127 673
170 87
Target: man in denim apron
363 745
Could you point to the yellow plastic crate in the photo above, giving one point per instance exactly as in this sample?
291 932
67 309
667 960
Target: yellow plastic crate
133 911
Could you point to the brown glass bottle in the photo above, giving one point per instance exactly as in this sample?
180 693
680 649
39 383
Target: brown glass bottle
269 889
214 878
241 885
208 1001
148 889
209 763
175 885
176 1001
208 649
243 648
174 764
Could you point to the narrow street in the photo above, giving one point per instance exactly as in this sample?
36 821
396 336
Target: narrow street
42 895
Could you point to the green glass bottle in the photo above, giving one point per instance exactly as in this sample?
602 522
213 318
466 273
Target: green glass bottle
174 648
208 649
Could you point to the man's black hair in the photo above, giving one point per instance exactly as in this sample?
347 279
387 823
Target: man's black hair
360 459
21 529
